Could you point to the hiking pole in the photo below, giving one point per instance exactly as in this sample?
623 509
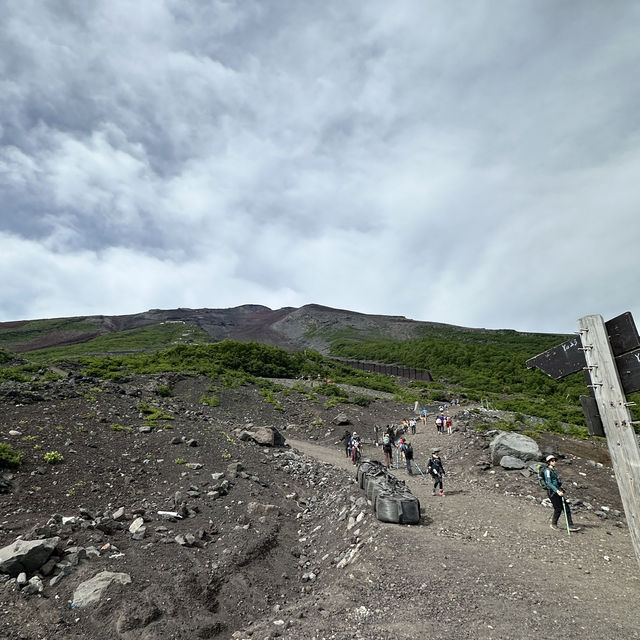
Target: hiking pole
566 520
397 458
419 469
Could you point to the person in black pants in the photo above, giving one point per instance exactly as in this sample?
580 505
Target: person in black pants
556 495
436 469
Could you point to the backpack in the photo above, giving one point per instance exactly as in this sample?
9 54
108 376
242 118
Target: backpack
540 468
386 439
408 449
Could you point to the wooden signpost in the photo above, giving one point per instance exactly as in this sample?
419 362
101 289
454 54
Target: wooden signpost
611 355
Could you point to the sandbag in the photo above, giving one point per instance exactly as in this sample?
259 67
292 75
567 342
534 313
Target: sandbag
375 483
367 467
395 508
379 488
374 475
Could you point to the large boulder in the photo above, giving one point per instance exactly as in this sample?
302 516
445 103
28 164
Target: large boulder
26 555
89 592
508 443
266 436
509 462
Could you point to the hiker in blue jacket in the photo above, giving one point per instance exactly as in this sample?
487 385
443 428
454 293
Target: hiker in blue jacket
556 495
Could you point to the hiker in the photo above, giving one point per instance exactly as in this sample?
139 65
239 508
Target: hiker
412 426
449 424
556 495
392 432
400 446
346 438
423 417
387 449
407 449
439 424
436 469
355 448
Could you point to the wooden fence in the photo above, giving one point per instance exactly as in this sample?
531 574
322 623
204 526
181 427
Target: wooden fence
387 369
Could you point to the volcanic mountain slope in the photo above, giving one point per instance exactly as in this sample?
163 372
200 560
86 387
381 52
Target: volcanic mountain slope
307 327
216 536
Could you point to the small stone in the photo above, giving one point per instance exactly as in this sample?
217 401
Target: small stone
136 524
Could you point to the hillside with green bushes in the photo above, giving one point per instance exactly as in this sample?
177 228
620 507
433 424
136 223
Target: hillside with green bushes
473 364
485 366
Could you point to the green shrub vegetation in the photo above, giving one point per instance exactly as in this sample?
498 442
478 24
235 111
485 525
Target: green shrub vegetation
477 365
9 457
120 427
53 457
212 400
21 373
152 414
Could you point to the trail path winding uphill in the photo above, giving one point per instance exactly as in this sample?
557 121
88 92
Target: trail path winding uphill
483 564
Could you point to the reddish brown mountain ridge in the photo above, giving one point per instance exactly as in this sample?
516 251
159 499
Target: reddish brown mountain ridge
306 327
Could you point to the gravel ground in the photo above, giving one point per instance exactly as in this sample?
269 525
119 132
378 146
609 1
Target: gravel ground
283 544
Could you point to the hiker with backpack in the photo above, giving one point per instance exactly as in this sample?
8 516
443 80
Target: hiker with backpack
387 449
407 449
555 492
436 469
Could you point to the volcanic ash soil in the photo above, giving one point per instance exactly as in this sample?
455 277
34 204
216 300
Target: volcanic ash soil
223 537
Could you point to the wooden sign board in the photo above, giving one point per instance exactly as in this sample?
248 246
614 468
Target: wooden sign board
592 416
623 335
628 366
568 357
560 361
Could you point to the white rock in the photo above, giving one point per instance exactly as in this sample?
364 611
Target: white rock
89 592
136 524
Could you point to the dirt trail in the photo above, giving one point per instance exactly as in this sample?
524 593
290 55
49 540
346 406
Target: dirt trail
483 564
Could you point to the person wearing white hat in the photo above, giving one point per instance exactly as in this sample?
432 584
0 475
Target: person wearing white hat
556 495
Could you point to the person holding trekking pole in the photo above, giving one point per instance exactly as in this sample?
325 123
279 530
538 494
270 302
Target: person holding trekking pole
436 469
556 495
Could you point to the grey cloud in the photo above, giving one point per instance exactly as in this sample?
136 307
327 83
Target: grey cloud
452 160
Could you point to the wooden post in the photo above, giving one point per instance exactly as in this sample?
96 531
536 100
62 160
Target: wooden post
616 419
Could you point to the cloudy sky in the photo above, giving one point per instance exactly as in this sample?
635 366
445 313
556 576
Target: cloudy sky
475 163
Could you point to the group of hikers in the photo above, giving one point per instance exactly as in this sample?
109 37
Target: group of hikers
353 446
435 467
393 438
407 425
